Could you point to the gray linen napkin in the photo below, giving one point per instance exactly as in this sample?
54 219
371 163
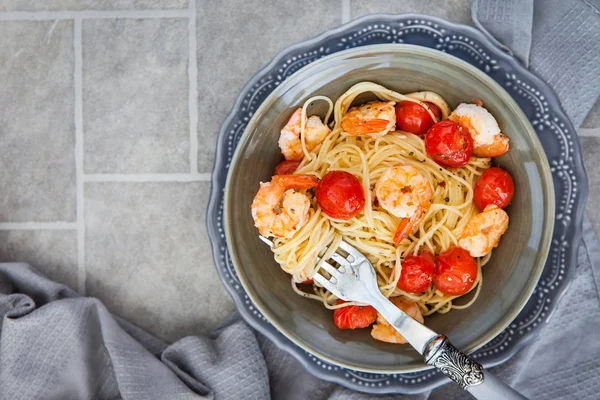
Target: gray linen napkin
57 345
559 40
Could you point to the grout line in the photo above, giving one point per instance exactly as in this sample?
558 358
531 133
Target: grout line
202 177
588 132
33 226
96 14
345 11
193 89
78 85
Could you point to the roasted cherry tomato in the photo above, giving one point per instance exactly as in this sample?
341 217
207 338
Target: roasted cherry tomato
340 195
495 186
449 144
414 118
455 271
354 317
287 167
417 272
308 282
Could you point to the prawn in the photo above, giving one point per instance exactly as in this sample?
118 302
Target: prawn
484 230
404 192
375 118
383 331
488 140
278 209
315 132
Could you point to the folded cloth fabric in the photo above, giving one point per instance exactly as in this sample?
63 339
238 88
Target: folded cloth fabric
55 344
559 40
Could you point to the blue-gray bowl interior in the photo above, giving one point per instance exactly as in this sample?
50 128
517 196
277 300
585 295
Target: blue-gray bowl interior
508 279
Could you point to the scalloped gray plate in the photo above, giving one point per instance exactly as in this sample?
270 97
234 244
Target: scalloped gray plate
537 102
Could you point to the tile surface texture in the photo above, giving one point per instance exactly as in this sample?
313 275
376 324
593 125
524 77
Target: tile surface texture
148 257
235 40
591 148
452 10
593 118
143 246
37 171
57 5
135 95
53 253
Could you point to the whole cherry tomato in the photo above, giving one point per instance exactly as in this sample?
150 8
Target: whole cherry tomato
340 195
353 317
455 271
449 144
417 272
495 186
287 167
414 118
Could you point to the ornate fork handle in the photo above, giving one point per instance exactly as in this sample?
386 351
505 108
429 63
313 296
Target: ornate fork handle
466 372
437 351
453 363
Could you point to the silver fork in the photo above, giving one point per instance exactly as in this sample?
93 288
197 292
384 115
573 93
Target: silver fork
355 280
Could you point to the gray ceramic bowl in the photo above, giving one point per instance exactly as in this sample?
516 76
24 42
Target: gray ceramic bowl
514 269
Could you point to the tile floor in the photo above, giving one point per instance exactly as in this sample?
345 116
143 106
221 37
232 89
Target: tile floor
109 114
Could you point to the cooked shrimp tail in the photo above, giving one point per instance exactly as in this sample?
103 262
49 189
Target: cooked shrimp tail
499 146
297 182
408 225
375 118
357 126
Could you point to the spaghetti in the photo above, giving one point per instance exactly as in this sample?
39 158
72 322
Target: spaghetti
371 231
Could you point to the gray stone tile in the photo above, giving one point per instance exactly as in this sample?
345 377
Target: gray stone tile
56 5
53 253
37 170
148 256
135 95
593 118
452 10
590 147
236 39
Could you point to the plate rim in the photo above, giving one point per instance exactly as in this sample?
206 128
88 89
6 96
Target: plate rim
435 55
216 189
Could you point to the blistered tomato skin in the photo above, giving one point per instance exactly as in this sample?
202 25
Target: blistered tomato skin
354 317
414 118
455 272
340 195
417 272
495 186
449 144
287 167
